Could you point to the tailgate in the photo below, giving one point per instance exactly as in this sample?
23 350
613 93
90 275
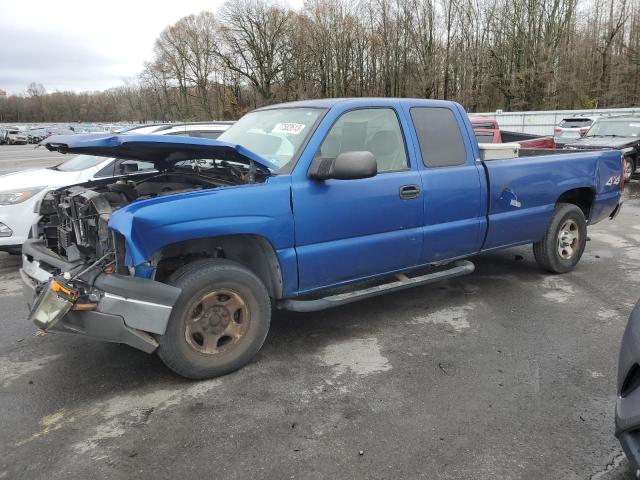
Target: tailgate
608 180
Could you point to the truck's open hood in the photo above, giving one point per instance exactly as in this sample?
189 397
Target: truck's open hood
162 151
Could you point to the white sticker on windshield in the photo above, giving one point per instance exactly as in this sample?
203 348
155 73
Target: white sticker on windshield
634 124
290 128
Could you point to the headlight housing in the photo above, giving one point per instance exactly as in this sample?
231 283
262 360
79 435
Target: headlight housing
11 197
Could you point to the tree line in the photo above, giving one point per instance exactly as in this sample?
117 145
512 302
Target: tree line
485 54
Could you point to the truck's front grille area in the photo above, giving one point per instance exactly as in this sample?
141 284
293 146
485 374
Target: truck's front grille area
64 237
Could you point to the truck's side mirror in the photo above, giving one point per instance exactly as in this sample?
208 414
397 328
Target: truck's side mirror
346 166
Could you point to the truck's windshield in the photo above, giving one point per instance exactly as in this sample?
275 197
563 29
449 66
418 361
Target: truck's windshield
616 128
276 134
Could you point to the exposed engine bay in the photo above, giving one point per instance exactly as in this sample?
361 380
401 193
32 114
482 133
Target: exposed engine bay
74 221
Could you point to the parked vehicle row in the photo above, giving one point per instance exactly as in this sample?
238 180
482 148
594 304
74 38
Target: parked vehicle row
21 192
617 133
35 135
581 132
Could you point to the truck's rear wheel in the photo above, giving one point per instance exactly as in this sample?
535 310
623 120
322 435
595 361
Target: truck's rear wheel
219 322
629 168
562 246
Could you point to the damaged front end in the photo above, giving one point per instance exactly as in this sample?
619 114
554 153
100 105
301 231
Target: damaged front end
75 223
76 271
72 297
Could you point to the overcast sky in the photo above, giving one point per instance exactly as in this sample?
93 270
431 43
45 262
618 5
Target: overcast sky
83 45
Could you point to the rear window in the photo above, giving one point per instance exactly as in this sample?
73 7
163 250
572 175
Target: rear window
575 122
439 136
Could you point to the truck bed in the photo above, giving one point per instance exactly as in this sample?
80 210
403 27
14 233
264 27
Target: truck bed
522 196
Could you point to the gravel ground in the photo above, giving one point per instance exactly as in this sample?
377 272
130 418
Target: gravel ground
506 373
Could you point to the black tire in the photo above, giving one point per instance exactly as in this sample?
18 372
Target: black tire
199 280
547 251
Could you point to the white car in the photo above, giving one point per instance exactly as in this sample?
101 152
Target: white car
19 206
21 192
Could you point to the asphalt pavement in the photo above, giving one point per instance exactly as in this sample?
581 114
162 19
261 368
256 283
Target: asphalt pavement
14 158
508 373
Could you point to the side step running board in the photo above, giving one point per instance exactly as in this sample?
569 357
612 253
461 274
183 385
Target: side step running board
459 268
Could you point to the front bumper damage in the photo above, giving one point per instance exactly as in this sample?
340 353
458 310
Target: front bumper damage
129 310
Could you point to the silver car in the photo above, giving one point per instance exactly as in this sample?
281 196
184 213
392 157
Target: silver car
572 128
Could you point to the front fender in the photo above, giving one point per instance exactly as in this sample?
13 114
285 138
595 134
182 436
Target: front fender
256 209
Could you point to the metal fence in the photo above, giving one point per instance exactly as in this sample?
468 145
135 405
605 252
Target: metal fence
542 123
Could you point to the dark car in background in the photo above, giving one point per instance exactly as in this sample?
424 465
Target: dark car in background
615 133
572 128
628 402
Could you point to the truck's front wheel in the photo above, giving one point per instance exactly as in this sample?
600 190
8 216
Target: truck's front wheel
562 246
219 322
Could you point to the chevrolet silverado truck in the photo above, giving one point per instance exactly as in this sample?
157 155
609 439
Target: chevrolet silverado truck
300 206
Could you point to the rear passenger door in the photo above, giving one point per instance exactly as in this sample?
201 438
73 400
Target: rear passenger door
452 181
352 229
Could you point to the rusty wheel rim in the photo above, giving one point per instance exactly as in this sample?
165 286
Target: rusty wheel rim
217 322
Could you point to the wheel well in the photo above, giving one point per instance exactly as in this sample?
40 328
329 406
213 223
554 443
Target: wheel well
254 252
581 197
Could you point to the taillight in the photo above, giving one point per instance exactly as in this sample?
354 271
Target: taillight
557 130
584 130
622 172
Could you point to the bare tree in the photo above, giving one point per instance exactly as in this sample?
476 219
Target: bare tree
256 46
486 54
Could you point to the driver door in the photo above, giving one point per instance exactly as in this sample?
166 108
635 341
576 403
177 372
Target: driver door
354 229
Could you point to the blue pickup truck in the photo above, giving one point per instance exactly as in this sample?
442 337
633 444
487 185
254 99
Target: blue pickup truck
300 206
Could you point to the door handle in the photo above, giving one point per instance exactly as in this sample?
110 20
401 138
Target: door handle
407 192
